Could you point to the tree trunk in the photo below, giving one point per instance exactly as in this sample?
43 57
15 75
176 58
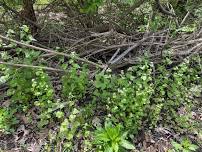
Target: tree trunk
28 13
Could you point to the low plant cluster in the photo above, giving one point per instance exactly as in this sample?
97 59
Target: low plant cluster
103 113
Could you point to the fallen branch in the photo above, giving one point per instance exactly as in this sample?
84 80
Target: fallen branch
51 51
32 66
197 48
128 50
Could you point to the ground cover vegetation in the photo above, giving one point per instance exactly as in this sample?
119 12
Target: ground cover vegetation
100 76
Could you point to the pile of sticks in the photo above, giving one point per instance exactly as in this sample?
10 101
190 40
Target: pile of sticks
113 49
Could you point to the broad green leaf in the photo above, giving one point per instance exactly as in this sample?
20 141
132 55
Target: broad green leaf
102 137
113 133
108 149
124 135
193 147
127 145
115 146
177 146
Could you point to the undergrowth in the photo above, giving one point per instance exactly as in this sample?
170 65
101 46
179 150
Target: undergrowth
140 97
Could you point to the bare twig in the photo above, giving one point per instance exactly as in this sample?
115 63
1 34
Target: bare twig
163 10
184 19
116 53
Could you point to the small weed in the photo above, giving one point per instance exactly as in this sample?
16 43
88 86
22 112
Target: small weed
110 139
184 146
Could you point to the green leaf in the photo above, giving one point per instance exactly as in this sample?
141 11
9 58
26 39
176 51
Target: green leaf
115 146
124 135
185 150
59 114
177 146
25 28
193 147
108 149
75 111
144 77
102 136
113 132
127 145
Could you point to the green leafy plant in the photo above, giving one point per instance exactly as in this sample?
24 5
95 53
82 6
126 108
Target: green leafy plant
25 34
111 139
43 94
75 81
90 6
68 129
184 146
172 91
7 120
127 95
20 94
29 87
